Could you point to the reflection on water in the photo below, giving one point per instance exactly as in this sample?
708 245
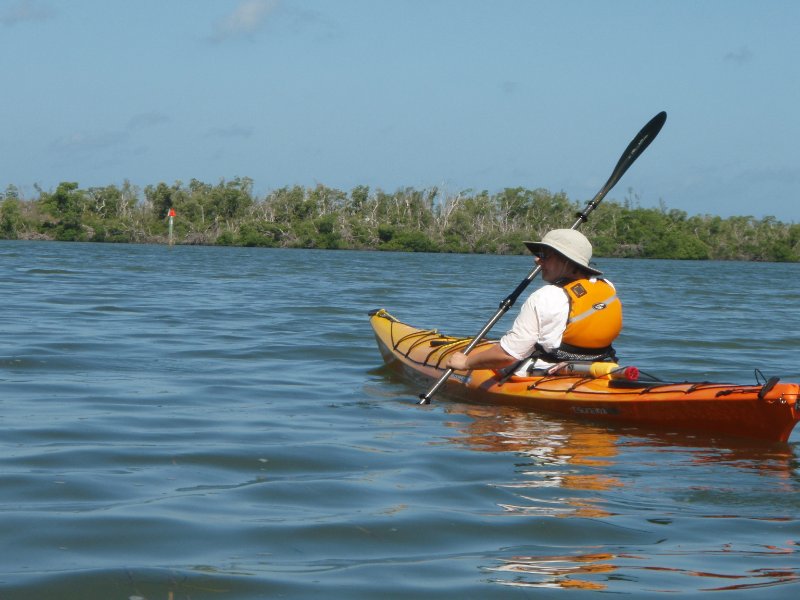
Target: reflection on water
576 571
556 571
560 455
575 471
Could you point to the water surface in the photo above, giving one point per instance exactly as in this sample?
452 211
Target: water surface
197 422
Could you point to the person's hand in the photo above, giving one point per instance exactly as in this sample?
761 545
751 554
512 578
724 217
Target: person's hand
457 361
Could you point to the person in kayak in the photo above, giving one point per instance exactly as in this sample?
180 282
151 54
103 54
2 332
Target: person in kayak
576 316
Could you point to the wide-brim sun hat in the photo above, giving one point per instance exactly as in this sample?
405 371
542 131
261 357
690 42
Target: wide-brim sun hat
570 243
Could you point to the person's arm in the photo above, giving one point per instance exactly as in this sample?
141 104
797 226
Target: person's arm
493 357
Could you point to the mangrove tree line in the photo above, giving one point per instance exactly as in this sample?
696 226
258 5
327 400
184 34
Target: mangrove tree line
408 219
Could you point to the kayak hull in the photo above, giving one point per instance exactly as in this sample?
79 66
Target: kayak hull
768 412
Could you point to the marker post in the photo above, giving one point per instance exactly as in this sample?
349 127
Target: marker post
171 216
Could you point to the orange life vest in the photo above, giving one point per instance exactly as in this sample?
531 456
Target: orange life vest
595 315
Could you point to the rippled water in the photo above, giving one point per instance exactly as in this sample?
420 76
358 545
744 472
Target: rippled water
196 422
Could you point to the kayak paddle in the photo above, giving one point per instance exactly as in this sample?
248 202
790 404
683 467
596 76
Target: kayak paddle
632 152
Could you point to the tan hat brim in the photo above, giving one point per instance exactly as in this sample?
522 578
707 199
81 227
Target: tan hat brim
536 247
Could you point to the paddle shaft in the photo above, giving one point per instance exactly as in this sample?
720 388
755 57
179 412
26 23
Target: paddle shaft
638 145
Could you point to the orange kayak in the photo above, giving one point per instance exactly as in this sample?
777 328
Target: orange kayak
599 391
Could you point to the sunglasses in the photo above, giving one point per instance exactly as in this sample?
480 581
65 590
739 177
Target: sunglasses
544 254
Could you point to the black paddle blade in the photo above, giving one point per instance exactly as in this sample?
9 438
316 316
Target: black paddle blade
638 145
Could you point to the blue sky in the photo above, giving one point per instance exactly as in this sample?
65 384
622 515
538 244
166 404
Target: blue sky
458 94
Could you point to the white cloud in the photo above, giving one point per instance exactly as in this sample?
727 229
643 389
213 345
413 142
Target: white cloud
147 120
89 142
25 10
740 56
234 131
246 20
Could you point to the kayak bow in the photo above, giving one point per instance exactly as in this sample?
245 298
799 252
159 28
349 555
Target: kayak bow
765 411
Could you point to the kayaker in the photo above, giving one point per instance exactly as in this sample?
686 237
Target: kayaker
576 316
